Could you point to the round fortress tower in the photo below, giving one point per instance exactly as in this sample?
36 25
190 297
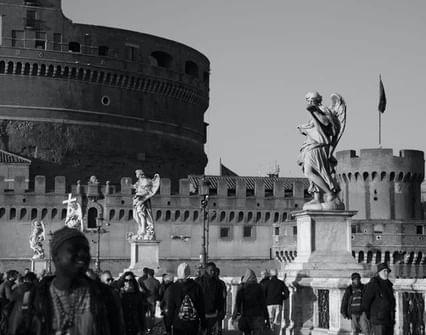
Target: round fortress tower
380 185
81 100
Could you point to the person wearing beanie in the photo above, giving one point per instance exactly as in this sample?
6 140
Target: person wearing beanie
351 306
185 304
378 302
69 302
250 306
275 293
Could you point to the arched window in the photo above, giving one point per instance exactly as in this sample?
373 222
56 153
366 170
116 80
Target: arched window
191 68
34 72
33 213
27 69
23 213
276 217
80 74
186 216
10 67
2 212
54 213
74 47
158 216
111 214
64 214
87 75
168 215
240 216
92 216
43 70
195 216
161 59
284 217
231 216
12 214
66 72
250 216
130 216
58 72
361 257
2 67
50 70
18 68
222 216
95 77
267 216
121 214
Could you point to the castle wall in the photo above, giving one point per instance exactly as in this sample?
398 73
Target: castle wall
119 99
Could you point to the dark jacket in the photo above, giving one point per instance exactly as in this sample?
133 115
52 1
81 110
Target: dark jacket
378 302
134 309
275 291
20 316
213 294
345 307
250 300
107 314
150 287
175 295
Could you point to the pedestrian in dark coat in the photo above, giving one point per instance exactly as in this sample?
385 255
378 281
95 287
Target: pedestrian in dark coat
378 302
275 293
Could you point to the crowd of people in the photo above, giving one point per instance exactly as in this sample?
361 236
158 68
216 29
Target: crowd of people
76 300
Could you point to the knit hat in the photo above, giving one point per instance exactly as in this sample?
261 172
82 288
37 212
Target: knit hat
355 275
183 271
249 276
383 266
62 235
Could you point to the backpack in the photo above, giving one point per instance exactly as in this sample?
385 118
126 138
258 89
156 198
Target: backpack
187 311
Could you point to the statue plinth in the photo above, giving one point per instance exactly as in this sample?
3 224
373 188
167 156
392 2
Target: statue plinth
39 265
324 245
143 254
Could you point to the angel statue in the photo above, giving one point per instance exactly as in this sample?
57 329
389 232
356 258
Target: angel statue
37 237
323 133
74 218
142 212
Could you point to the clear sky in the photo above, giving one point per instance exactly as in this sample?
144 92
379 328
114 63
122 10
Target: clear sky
265 55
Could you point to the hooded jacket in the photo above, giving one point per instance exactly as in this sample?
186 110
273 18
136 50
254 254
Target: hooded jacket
106 313
175 295
345 307
250 300
378 302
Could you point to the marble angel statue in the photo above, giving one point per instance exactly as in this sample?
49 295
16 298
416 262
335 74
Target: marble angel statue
37 237
142 212
323 133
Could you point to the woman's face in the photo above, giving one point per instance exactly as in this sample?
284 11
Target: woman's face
128 283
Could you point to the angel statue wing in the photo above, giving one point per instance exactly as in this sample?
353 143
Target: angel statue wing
338 110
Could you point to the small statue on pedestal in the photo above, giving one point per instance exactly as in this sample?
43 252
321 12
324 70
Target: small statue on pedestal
37 237
142 212
74 218
323 132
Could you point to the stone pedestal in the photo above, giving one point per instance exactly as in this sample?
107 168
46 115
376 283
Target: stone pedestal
321 272
39 265
144 254
324 247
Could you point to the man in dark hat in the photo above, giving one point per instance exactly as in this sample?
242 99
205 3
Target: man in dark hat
351 307
378 302
69 302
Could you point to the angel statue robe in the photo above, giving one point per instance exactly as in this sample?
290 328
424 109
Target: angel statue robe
316 151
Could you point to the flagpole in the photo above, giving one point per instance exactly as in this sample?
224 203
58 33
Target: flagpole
380 129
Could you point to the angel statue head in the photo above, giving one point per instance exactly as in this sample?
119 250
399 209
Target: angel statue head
139 173
313 98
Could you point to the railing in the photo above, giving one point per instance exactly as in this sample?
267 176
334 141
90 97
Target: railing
315 304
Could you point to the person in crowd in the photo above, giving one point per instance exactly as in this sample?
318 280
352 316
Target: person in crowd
213 297
26 270
106 278
134 305
264 277
185 304
6 298
250 306
275 293
150 286
69 302
20 315
92 274
378 302
222 314
351 307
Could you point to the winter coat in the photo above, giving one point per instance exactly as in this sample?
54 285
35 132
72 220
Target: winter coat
378 302
275 291
175 295
213 295
150 287
134 308
20 316
345 307
106 312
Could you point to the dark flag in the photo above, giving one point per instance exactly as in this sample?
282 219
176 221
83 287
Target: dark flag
382 99
224 171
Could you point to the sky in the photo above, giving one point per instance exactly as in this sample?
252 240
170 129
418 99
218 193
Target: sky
266 55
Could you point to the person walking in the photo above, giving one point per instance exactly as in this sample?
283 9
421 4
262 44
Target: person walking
378 302
69 302
134 305
213 298
168 280
250 306
275 293
264 277
150 286
6 296
185 304
222 314
351 307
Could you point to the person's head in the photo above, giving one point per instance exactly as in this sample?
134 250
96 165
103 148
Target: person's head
70 252
129 282
92 274
356 279
183 271
264 274
26 270
217 272
211 269
30 277
273 273
145 272
383 271
12 275
139 173
106 278
168 278
151 272
313 98
249 277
